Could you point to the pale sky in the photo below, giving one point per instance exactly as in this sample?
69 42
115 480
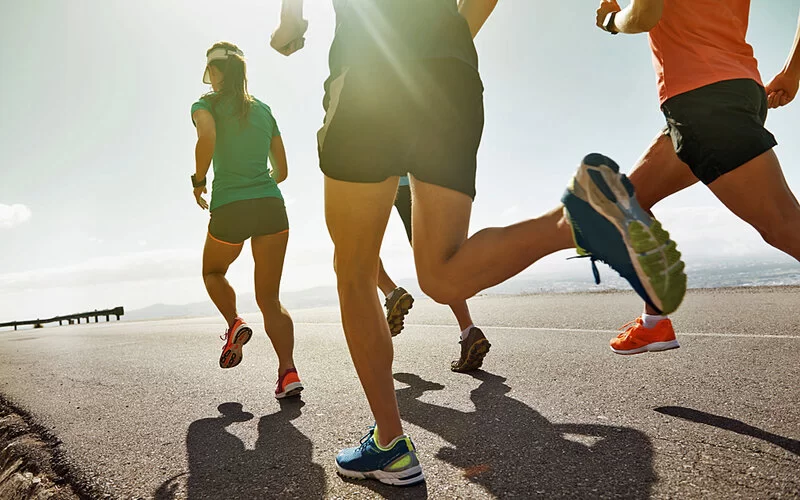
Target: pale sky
96 208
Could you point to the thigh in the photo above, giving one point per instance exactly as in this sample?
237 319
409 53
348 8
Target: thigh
402 203
219 255
269 252
659 173
757 192
441 222
356 215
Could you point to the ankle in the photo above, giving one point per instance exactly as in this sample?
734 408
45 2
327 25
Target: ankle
385 444
651 320
285 367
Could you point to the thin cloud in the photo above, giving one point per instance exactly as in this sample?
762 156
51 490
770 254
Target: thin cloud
13 215
111 270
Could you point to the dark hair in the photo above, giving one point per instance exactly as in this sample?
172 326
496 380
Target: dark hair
234 81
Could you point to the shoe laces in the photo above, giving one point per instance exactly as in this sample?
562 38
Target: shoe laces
225 336
366 437
626 328
594 259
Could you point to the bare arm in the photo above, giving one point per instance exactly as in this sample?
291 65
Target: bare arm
206 140
783 88
203 150
277 156
476 12
638 17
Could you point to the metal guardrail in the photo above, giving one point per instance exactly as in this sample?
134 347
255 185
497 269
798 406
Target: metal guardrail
70 319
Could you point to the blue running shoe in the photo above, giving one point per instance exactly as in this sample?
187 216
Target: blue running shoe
609 225
397 465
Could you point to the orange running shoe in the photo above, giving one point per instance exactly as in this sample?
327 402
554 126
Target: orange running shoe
235 337
288 384
636 338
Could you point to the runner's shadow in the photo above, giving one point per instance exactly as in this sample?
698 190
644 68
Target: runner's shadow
729 424
220 467
511 450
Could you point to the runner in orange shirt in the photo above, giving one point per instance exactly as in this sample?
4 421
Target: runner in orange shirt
715 105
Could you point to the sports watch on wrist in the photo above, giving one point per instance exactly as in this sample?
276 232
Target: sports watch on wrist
196 184
608 23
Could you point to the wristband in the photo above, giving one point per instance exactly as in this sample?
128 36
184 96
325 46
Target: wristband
608 24
198 184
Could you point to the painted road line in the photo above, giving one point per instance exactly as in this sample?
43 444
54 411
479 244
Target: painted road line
584 330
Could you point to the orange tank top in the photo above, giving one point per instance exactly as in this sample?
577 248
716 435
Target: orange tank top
700 42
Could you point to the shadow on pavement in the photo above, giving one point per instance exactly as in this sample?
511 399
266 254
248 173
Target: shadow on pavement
511 450
729 424
220 467
415 492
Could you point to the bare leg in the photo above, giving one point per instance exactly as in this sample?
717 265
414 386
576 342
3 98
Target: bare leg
758 194
659 173
268 253
452 268
385 282
461 312
356 228
217 257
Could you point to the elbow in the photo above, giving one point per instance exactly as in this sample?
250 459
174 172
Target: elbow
208 139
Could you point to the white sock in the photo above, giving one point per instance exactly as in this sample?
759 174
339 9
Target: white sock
651 320
465 332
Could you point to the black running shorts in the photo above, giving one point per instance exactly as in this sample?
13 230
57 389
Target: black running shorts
423 118
402 203
235 222
718 128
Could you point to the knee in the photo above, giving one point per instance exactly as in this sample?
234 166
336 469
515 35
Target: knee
782 233
352 272
268 303
439 288
212 274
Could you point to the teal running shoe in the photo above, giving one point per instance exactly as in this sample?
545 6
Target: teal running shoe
609 225
397 465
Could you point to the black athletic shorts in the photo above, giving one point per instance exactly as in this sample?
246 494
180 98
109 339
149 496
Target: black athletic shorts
235 222
718 128
423 118
402 202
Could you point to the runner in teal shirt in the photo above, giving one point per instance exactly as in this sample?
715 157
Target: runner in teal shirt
238 133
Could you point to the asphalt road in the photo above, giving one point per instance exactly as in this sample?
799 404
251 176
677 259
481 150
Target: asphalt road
142 409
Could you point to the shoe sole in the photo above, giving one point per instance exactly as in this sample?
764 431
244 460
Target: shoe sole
653 255
407 477
398 313
232 355
652 347
291 390
475 355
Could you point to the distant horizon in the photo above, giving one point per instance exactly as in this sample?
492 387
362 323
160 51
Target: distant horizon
776 272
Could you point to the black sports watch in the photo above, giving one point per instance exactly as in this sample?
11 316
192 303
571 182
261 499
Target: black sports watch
198 184
608 24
